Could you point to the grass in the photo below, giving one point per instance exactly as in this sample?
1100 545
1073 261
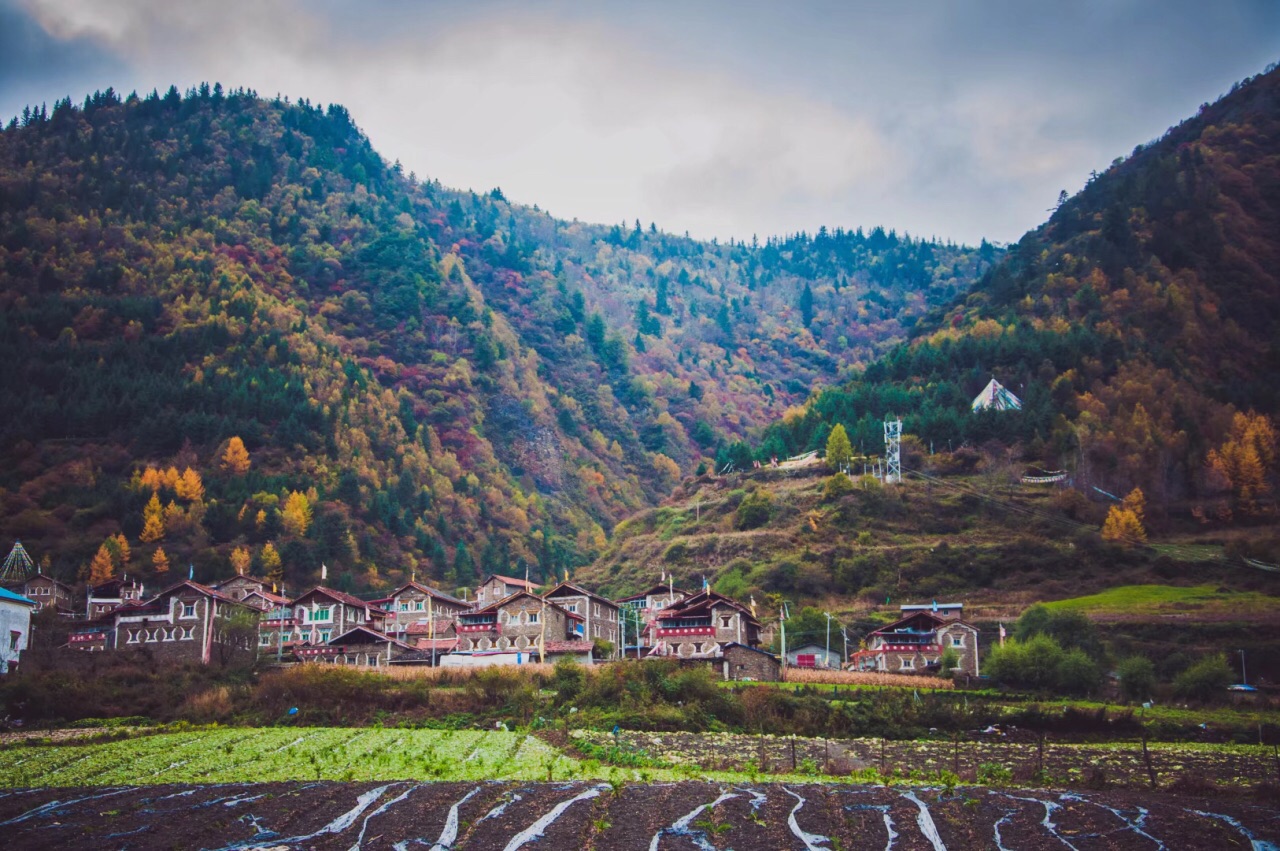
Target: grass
1148 600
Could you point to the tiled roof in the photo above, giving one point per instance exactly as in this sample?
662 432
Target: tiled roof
441 625
508 580
567 647
339 596
434 592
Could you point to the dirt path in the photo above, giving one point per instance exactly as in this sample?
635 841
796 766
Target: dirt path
404 816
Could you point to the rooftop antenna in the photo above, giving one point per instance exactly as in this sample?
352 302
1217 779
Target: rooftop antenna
17 565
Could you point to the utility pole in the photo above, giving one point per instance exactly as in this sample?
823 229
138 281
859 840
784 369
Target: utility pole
826 660
782 626
431 631
1244 675
845 658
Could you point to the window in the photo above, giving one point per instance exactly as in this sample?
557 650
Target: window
373 661
14 635
188 610
324 636
168 633
134 636
188 633
404 606
533 617
725 621
322 613
957 641
908 664
697 647
306 636
264 640
571 607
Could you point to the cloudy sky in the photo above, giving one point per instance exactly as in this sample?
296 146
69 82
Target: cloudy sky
960 120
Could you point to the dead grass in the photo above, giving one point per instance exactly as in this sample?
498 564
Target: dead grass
454 676
863 678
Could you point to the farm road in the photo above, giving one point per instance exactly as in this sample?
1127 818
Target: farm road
404 816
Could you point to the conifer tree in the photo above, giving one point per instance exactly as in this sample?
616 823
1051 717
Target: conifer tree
102 567
839 449
1124 521
160 561
240 559
190 487
236 458
270 559
296 514
152 521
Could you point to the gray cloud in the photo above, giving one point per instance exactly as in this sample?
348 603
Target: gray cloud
720 118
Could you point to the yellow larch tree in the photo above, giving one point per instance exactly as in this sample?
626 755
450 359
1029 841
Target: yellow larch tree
190 487
122 551
101 568
160 561
152 520
1124 521
1247 458
236 458
296 514
240 558
270 560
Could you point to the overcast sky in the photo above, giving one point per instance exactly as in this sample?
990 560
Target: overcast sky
960 120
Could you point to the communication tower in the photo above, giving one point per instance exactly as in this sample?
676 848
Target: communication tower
892 451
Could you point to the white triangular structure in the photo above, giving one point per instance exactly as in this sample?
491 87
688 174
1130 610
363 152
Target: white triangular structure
17 566
996 397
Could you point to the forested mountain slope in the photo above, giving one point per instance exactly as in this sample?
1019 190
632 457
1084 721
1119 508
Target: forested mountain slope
425 379
1140 326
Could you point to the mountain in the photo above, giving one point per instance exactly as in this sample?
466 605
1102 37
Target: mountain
1140 326
424 379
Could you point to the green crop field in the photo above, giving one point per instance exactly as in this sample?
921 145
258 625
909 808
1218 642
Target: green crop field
1149 600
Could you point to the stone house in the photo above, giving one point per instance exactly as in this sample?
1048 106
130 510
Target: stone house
495 588
110 595
600 615
238 587
741 662
15 628
639 613
93 636
415 603
516 624
698 627
323 613
265 601
357 646
48 593
916 642
186 622
441 636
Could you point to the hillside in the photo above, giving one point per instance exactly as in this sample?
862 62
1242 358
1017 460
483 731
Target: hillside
424 379
1137 325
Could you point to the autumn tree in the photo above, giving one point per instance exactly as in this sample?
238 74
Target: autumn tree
152 520
236 458
296 514
160 561
102 568
270 560
190 487
1124 521
839 449
240 559
1246 459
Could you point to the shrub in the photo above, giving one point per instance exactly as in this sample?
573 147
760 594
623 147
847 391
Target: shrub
755 509
1137 678
1205 680
837 486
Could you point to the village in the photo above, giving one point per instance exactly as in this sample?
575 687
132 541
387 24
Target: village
508 621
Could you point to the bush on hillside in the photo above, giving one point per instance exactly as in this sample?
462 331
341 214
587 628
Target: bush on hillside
1206 680
1137 678
755 509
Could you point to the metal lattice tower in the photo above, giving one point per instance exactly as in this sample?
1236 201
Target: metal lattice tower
18 566
892 451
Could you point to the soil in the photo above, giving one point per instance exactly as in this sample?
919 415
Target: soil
590 816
